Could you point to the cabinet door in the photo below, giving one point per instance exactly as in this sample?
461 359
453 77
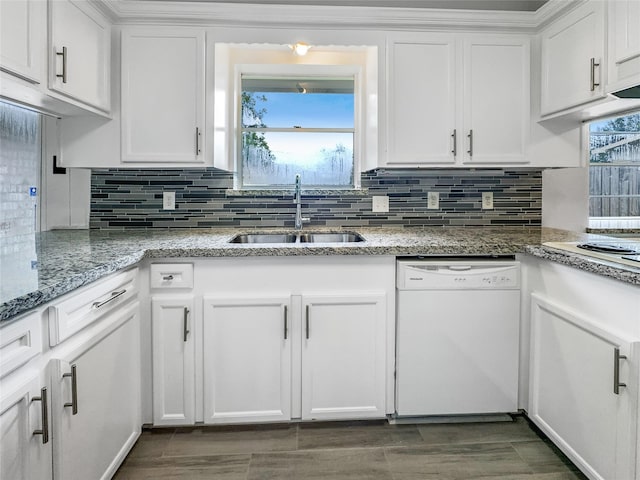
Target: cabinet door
163 95
422 101
25 455
22 41
173 360
79 52
247 362
496 100
343 356
572 397
624 44
96 405
572 59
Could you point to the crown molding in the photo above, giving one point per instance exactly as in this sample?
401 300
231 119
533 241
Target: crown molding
319 16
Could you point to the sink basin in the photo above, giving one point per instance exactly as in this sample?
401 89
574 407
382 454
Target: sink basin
264 238
330 237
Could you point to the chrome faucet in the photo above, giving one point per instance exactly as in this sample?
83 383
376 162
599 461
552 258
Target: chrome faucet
296 199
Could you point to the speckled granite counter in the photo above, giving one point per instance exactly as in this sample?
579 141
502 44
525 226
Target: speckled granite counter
51 264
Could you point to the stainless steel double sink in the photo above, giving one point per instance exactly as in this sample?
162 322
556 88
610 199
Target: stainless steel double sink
311 237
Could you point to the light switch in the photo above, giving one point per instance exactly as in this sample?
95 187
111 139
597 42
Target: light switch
168 200
380 203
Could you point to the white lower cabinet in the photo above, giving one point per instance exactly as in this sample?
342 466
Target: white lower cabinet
247 359
343 357
285 338
95 404
25 436
173 360
584 332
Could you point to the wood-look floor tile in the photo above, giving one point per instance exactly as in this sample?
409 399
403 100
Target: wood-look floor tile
203 441
543 457
457 433
346 464
152 443
356 435
220 467
455 462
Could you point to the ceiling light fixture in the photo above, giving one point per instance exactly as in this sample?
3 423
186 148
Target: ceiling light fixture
300 88
300 48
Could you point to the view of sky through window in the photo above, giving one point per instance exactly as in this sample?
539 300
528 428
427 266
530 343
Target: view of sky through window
292 126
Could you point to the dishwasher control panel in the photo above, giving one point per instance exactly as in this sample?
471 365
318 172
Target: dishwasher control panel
459 274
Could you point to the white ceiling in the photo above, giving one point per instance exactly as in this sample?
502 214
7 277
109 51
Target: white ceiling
503 5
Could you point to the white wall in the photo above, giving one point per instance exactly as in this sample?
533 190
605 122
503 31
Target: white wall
565 198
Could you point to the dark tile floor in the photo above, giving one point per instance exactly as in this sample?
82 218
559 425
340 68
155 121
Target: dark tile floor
350 451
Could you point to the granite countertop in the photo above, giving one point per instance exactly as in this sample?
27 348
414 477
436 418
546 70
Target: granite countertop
42 267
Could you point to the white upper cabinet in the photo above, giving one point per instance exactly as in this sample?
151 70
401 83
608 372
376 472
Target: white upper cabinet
163 95
623 44
573 56
79 53
495 124
422 101
22 38
458 100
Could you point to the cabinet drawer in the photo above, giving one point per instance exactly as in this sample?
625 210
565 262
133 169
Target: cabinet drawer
172 275
20 341
86 305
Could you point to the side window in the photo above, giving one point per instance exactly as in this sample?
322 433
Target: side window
614 172
297 125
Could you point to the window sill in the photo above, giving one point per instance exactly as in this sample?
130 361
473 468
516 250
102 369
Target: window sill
311 192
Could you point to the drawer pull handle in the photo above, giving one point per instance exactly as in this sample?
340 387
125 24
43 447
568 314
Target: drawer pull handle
63 54
307 321
167 278
198 150
470 137
185 325
74 390
113 296
44 409
616 371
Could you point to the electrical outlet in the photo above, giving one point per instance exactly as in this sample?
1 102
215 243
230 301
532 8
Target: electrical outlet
487 200
433 200
168 200
380 204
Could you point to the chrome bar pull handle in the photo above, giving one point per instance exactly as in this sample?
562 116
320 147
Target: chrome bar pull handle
198 150
307 321
470 137
113 296
286 328
64 65
167 278
593 74
616 371
454 136
44 409
74 389
185 324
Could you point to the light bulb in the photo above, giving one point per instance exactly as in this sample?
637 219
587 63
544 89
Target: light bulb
300 48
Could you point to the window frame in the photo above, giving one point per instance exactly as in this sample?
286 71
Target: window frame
301 72
233 59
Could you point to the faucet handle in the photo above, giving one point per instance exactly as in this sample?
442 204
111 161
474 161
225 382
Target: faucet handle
306 220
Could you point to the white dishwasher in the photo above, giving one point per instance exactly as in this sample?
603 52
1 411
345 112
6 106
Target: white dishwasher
457 336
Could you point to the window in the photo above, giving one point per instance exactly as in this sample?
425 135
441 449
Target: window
614 173
277 114
297 125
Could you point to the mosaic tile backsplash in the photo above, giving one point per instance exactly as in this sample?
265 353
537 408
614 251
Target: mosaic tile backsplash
125 198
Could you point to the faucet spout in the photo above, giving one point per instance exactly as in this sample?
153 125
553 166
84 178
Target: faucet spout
297 198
